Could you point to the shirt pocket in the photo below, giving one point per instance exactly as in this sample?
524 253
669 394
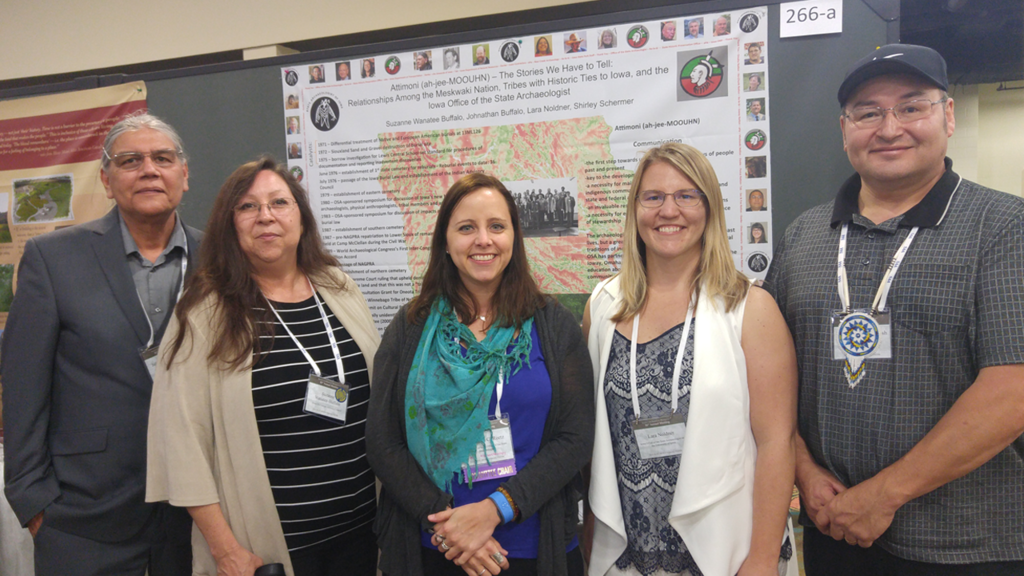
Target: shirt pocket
935 300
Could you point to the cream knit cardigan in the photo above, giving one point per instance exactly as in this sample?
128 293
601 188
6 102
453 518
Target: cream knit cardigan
204 446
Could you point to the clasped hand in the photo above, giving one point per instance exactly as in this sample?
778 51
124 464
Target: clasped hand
465 536
858 515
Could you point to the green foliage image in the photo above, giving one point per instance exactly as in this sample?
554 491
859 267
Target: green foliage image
42 199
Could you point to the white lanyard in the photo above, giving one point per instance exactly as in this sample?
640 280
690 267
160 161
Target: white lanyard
882 295
675 370
500 389
330 336
181 288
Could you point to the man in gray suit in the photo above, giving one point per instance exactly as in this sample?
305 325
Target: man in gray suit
92 303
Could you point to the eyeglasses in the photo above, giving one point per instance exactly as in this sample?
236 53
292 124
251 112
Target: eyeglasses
683 198
129 161
870 116
278 207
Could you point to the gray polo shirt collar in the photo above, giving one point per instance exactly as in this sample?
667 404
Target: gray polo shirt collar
926 214
177 240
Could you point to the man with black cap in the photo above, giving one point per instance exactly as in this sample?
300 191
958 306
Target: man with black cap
905 296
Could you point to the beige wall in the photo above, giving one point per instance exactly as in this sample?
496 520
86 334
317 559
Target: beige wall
988 144
1001 138
41 37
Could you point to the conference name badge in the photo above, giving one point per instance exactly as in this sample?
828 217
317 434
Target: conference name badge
495 456
149 356
326 398
857 336
660 437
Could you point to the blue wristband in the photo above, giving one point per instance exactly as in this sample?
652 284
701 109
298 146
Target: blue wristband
504 508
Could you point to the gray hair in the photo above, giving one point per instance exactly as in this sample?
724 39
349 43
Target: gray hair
138 122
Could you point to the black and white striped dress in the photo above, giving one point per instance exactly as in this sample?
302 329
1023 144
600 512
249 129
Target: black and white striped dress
322 483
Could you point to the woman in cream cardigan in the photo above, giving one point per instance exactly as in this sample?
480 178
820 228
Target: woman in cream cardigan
259 401
696 392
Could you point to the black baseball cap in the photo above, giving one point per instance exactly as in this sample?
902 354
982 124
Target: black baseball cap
919 61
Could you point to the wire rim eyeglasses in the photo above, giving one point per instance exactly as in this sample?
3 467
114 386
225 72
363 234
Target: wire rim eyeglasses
683 198
905 112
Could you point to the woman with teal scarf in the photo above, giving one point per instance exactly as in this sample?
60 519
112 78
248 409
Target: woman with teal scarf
481 409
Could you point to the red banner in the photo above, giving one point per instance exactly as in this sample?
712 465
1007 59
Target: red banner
64 138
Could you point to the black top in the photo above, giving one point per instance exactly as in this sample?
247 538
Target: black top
318 472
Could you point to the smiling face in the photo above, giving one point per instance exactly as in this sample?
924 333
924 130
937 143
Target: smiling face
480 239
894 153
367 66
694 27
754 82
668 30
755 107
343 71
269 239
148 192
481 55
756 233
669 232
542 46
607 39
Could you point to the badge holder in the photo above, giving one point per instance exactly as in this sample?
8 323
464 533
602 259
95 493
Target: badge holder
660 437
326 398
860 335
495 456
149 357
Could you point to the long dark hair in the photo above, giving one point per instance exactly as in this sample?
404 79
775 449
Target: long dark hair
517 296
225 271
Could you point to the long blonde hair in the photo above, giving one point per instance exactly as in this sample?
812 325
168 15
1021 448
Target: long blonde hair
717 274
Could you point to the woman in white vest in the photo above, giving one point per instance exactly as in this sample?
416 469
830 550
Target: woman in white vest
694 455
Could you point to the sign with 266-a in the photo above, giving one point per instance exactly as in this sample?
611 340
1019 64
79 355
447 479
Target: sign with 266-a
810 18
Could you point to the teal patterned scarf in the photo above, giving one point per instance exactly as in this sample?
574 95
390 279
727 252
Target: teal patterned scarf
447 394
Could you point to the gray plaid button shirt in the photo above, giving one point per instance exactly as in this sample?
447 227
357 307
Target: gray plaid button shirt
957 306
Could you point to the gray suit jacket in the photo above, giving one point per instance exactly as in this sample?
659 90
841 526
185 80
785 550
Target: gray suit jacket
76 392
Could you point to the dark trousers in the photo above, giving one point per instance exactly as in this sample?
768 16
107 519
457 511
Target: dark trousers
824 556
435 564
346 555
163 547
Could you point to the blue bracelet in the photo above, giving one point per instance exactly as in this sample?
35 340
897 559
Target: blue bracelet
504 508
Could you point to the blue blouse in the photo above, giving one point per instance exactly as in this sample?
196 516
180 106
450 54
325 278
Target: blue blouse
527 400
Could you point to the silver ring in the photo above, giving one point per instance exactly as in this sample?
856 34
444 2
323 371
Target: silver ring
482 570
498 558
444 546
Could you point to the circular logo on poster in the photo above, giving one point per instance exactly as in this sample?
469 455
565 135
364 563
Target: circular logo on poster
701 76
291 77
638 36
755 139
392 65
324 113
509 51
858 334
757 262
297 173
749 22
